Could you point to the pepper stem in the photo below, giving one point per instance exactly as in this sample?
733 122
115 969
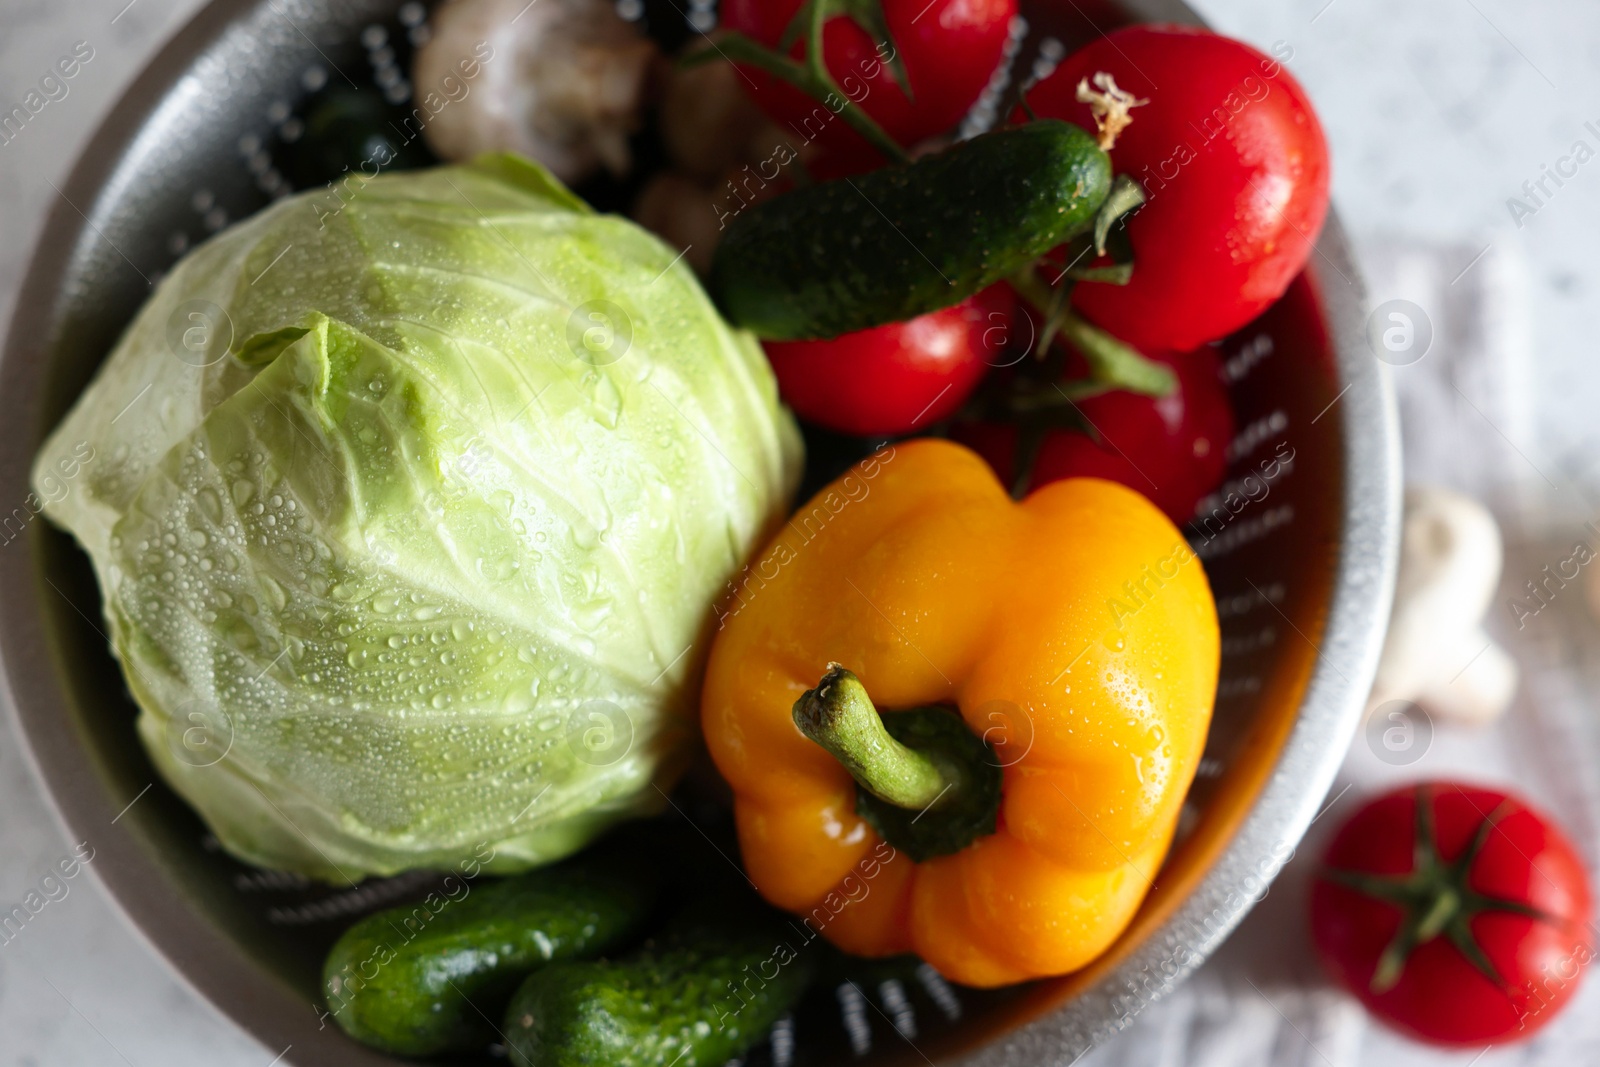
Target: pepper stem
839 716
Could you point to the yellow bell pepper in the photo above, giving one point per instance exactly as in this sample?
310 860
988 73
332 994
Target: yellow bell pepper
1075 636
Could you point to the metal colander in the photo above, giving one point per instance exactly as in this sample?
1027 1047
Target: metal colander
1302 573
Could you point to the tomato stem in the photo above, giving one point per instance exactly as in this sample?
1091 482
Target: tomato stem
1126 195
812 76
1110 105
1434 897
1439 914
1111 362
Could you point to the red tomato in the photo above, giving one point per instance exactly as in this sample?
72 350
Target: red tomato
894 379
1235 167
1469 928
949 48
1170 448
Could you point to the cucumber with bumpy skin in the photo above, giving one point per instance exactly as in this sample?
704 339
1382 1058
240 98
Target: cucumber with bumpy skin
427 978
701 995
900 242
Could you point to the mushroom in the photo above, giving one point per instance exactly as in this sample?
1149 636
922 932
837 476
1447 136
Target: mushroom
692 215
709 123
562 81
1437 653
727 156
682 211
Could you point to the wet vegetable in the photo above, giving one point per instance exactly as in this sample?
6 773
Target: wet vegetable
701 995
1004 705
417 979
900 242
408 502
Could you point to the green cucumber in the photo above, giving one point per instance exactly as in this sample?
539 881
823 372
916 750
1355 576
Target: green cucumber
429 977
701 995
900 242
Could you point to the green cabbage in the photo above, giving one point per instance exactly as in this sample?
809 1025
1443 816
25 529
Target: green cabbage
409 505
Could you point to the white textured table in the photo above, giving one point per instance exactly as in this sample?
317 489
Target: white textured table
1438 110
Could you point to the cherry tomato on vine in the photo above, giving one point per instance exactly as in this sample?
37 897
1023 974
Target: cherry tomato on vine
1457 914
1171 448
950 48
897 378
1235 168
